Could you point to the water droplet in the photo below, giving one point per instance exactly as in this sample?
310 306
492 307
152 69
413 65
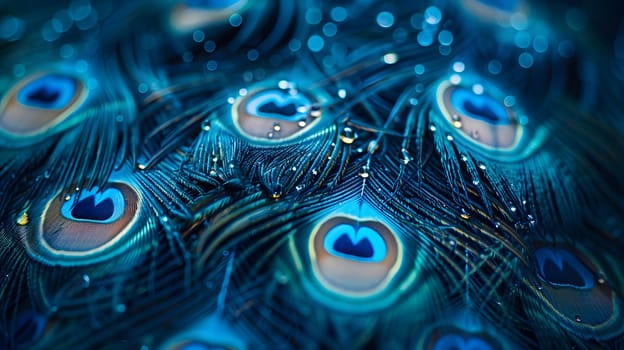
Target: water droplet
482 166
432 127
432 15
445 38
372 146
236 20
405 156
513 209
348 136
86 281
23 219
390 58
316 43
577 318
270 134
277 127
475 134
464 214
520 225
277 192
385 19
449 137
206 125
339 14
525 60
494 67
120 308
314 15
281 277
315 110
509 101
364 172
459 66
455 79
302 124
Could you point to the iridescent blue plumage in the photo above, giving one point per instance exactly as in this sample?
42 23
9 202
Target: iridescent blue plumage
305 174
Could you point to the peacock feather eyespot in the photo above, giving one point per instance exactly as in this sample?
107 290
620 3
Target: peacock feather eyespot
352 258
578 294
277 113
464 329
478 115
342 245
194 337
455 338
496 11
559 268
88 226
189 15
38 103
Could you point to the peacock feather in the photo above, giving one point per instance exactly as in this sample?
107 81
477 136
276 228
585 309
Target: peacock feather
255 174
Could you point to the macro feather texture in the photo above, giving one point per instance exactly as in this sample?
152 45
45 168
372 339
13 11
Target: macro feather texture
255 174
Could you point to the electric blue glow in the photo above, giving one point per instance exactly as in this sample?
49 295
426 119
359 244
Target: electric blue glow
561 268
362 244
385 19
339 14
460 342
316 43
481 107
93 206
51 91
279 104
